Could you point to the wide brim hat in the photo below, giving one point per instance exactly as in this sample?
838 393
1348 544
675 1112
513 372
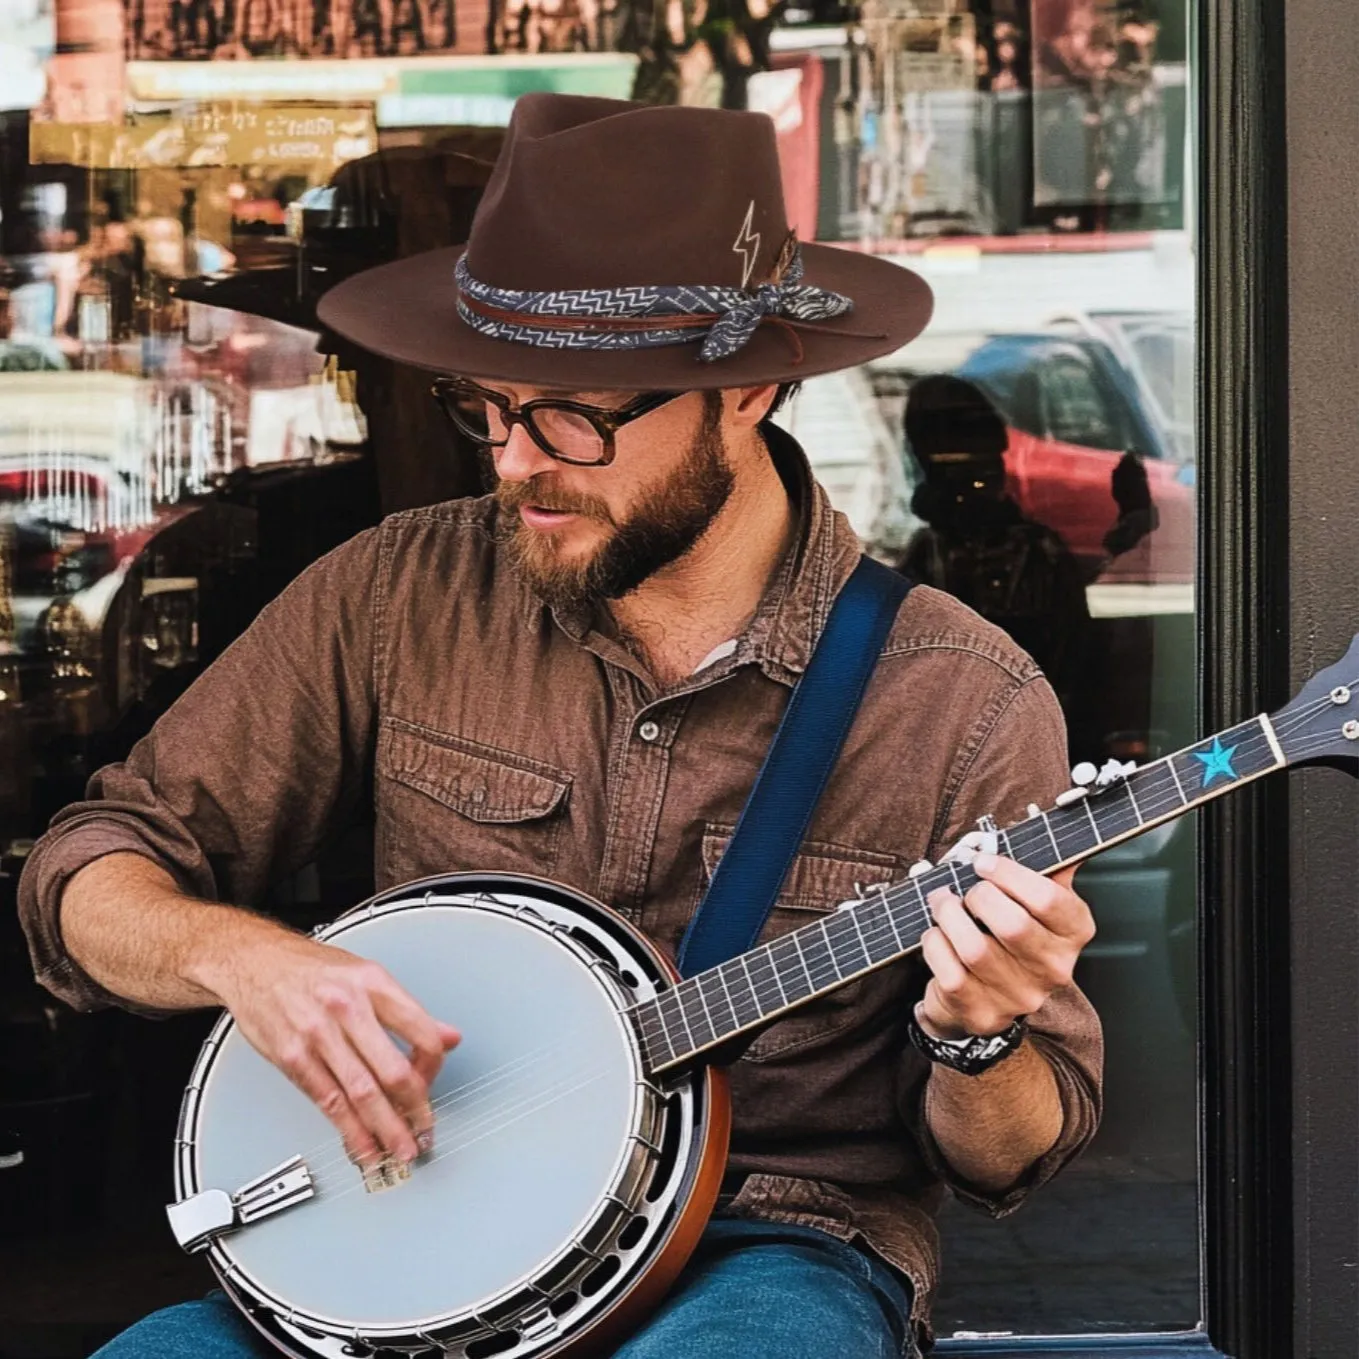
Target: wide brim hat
629 247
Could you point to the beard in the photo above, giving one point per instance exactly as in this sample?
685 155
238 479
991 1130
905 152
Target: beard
663 527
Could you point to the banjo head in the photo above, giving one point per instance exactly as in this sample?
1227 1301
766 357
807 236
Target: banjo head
557 1162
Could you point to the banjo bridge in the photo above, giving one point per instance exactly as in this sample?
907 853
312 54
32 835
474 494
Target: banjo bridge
385 1174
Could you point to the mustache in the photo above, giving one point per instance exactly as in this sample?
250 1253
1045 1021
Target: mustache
514 495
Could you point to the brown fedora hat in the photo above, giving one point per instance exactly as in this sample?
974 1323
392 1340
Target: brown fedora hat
629 247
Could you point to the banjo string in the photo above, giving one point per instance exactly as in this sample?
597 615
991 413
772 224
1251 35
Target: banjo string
469 1093
490 1122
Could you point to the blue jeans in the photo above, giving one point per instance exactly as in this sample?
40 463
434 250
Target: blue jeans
754 1289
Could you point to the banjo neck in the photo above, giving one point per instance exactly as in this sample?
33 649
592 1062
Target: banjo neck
699 1014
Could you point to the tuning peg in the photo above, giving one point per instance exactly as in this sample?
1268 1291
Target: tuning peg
1084 774
987 825
1072 794
1114 770
919 867
974 843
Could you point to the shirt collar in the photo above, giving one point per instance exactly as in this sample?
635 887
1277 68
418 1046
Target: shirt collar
784 632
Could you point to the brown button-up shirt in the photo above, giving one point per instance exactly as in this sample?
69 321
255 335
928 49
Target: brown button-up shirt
496 735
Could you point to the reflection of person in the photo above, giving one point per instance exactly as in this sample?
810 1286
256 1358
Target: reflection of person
977 544
1102 53
625 614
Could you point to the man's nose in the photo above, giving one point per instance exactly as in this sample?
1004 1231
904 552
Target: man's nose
521 458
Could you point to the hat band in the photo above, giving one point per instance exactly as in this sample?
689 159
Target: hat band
648 315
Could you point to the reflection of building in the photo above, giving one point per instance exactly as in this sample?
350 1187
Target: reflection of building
202 29
964 118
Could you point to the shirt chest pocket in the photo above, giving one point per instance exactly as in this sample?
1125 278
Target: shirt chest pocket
821 877
447 804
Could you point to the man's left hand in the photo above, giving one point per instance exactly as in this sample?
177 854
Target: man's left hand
983 981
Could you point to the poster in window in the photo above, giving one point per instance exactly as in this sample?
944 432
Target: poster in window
1099 134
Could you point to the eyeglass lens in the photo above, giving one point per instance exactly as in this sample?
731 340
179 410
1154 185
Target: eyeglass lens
570 433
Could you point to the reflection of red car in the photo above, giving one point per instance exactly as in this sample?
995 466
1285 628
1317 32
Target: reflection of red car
1076 402
1068 487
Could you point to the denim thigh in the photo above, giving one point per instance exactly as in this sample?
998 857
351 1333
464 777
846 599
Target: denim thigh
210 1328
762 1290
757 1290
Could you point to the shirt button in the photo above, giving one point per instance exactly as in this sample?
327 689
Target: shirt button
478 795
648 731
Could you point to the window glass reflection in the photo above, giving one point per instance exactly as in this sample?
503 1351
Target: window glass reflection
179 183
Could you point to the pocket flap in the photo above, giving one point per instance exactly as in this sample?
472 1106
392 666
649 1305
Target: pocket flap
482 784
822 875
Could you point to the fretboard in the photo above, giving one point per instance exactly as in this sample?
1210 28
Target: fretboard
704 1011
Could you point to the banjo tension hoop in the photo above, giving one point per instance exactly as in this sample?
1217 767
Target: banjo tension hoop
198 1220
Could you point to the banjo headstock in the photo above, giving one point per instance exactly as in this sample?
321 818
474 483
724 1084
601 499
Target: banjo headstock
1321 725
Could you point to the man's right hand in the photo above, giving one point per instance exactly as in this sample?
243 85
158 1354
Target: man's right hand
326 1018
323 1016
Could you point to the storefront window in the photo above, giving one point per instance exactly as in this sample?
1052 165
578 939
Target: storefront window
1033 454
180 182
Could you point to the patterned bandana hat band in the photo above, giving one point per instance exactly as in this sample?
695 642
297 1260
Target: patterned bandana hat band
640 317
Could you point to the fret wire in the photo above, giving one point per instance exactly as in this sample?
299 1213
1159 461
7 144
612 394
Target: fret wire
722 982
1179 787
741 1022
1047 821
863 943
1094 825
650 1036
802 958
847 939
691 988
764 956
670 995
782 955
920 896
1132 798
891 918
819 928
957 881
760 1010
871 931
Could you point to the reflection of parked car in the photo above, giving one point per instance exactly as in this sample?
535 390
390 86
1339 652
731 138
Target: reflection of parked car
1077 397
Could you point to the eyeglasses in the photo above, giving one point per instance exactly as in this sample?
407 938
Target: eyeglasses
570 431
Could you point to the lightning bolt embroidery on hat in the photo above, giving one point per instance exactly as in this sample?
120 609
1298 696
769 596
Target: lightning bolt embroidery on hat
748 245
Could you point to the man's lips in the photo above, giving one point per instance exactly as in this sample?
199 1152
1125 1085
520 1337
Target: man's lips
537 517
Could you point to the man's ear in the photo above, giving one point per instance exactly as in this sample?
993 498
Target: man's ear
751 404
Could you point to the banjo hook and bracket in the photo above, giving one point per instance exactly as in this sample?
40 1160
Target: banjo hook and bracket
198 1220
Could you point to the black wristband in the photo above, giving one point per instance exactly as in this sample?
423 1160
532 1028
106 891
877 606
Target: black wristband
971 1055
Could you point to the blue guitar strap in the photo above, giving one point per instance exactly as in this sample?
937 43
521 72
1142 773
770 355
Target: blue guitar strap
806 745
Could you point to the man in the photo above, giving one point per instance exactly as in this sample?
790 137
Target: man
578 677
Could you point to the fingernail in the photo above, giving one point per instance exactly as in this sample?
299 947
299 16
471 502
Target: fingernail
985 863
425 1141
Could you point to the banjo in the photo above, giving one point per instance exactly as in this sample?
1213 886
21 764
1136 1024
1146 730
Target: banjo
582 1123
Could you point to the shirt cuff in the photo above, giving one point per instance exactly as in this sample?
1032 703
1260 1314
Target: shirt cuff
55 860
1080 1119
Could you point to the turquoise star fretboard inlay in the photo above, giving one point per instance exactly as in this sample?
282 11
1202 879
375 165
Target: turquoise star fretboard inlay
1216 760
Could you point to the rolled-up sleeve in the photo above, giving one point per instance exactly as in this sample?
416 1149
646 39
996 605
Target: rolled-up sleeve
1021 758
241 779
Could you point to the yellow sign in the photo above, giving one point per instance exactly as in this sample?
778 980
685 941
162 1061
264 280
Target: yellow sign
215 134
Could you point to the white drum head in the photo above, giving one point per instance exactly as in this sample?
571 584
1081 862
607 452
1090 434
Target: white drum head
534 1111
